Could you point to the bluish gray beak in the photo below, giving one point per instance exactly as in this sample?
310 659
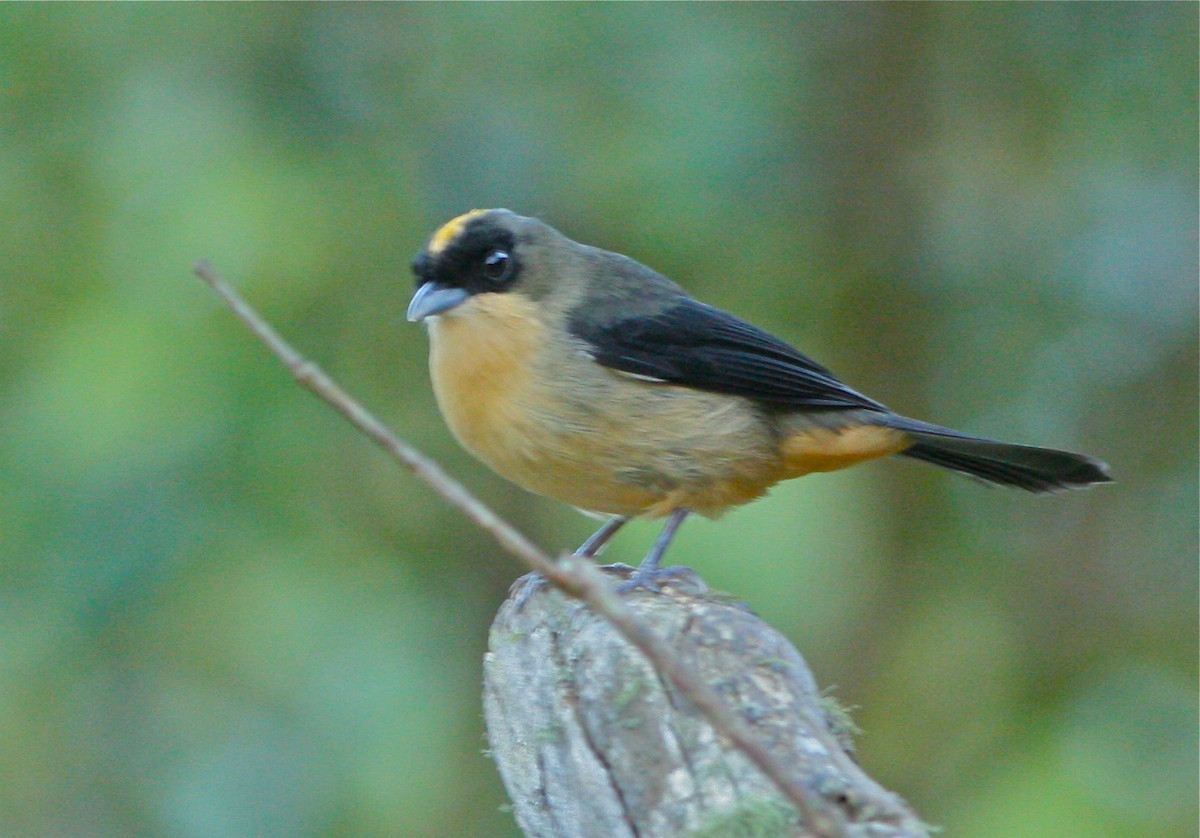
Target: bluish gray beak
432 298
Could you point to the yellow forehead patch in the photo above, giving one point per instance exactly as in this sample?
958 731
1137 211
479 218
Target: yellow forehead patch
450 230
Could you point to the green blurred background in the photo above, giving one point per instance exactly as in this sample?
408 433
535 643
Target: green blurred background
226 614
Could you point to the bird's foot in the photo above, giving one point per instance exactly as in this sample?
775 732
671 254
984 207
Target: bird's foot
652 579
525 588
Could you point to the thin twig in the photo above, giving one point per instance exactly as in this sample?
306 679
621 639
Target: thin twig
577 578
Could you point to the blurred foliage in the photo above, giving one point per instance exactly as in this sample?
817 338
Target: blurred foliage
225 614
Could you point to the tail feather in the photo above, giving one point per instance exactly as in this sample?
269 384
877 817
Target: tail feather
1023 466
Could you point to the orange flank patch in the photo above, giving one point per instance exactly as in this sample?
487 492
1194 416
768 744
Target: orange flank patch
829 449
450 230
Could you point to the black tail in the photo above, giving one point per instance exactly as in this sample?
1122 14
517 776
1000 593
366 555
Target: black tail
1023 466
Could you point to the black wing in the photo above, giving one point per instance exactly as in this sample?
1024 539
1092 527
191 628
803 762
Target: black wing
699 346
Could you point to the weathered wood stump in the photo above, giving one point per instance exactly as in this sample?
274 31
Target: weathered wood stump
591 743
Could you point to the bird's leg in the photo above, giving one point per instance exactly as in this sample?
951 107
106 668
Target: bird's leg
592 547
648 571
599 539
650 564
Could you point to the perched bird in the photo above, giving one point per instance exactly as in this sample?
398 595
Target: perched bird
585 376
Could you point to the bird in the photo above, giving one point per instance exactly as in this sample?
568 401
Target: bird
585 376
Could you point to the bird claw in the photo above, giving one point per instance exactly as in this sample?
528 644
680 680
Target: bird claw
525 588
651 579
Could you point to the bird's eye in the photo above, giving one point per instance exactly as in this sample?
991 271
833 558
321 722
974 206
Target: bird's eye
497 265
